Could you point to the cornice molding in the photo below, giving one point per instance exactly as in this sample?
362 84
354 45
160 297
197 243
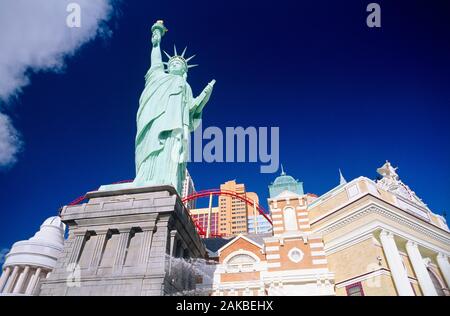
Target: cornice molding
377 209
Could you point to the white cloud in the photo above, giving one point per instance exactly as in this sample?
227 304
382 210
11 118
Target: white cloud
9 142
34 36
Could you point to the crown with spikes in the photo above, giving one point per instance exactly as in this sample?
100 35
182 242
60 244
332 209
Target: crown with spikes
181 58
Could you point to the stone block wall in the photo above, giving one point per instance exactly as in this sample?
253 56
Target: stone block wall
124 242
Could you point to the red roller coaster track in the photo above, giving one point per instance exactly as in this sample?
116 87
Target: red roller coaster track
215 192
202 194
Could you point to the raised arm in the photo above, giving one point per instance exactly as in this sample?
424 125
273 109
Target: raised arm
158 31
156 58
199 102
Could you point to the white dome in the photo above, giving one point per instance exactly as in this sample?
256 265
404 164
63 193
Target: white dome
43 249
54 221
52 231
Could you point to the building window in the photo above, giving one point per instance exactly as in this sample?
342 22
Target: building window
241 262
290 219
355 289
295 255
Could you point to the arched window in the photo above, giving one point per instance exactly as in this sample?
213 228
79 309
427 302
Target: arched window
290 219
436 283
240 262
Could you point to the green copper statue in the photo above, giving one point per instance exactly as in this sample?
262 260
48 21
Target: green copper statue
167 113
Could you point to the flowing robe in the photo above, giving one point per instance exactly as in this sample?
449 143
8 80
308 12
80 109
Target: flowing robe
167 114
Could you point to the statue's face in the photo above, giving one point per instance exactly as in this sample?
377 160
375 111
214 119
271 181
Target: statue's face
176 67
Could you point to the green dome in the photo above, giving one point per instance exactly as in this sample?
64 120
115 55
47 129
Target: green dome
284 179
285 182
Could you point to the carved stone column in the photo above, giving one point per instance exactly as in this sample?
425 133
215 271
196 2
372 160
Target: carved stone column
146 244
395 263
444 266
420 269
173 235
20 282
4 278
120 254
12 279
34 280
78 244
99 244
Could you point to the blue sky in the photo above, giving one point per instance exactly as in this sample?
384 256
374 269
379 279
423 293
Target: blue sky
344 96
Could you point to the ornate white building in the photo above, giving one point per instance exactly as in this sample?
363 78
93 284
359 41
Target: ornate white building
32 260
363 237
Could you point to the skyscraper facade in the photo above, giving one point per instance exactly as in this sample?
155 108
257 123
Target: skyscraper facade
201 216
188 189
234 212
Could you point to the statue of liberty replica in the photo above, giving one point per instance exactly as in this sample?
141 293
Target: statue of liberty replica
110 248
167 113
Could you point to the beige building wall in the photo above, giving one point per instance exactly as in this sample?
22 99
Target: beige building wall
365 262
356 261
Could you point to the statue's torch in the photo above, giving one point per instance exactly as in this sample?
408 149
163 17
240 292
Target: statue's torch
159 25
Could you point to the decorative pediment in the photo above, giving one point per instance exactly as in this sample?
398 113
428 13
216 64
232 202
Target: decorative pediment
239 237
391 182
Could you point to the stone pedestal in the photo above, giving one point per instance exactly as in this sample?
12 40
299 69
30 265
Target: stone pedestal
124 242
